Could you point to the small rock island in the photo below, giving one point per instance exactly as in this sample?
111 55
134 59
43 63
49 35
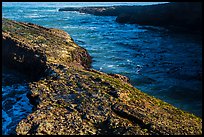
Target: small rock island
71 98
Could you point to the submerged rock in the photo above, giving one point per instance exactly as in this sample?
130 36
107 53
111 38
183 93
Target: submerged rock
72 99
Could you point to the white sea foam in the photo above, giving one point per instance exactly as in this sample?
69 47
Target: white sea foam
35 15
54 10
79 27
110 66
19 10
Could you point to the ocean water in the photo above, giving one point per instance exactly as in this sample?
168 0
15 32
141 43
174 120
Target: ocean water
158 62
15 104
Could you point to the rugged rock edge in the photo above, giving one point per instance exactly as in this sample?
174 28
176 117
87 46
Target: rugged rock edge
70 98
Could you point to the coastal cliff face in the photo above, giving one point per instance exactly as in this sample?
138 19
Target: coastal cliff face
29 48
70 98
177 16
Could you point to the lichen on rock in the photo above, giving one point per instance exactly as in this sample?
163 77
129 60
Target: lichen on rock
70 98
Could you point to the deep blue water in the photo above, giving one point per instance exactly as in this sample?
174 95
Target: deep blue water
163 64
15 104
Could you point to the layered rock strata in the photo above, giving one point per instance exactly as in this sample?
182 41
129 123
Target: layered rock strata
70 98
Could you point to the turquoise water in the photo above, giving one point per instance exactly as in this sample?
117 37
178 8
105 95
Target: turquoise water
161 63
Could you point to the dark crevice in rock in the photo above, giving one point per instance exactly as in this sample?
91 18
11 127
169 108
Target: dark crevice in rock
135 120
33 99
104 128
32 63
33 129
113 93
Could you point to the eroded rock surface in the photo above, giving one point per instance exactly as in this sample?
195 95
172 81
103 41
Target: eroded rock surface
70 98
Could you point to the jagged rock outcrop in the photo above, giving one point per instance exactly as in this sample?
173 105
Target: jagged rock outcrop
33 49
177 16
73 99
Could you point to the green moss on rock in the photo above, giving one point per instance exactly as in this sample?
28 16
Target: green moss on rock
73 99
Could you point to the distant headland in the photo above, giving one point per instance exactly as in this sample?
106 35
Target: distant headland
176 16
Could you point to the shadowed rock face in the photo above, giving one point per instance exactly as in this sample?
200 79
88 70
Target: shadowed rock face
182 16
73 99
16 55
177 16
33 49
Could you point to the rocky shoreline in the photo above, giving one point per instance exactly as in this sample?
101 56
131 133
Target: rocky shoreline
176 16
70 98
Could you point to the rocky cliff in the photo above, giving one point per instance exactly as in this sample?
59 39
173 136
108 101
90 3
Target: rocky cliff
70 98
177 16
